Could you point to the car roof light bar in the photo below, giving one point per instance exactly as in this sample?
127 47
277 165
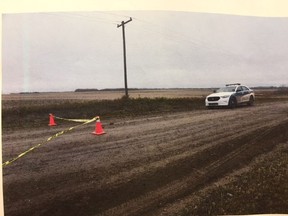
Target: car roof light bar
233 84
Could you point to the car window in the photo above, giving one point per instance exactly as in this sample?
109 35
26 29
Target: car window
226 89
245 88
239 89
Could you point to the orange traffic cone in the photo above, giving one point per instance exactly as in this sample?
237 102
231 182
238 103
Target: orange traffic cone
52 122
98 128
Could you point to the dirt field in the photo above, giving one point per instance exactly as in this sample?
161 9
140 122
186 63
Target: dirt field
152 165
42 99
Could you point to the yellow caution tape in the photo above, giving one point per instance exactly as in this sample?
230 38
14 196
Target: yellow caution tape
74 120
46 141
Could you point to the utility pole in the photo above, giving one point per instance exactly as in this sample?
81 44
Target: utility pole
124 53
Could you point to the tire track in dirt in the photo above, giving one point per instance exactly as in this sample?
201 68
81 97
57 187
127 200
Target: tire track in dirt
176 143
154 159
148 136
206 171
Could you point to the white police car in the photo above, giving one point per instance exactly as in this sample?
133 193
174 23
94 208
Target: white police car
231 95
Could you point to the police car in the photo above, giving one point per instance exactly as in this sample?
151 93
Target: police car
231 95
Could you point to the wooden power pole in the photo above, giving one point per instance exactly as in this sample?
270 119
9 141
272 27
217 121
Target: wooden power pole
124 53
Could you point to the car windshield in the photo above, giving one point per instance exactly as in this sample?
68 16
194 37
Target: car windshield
227 89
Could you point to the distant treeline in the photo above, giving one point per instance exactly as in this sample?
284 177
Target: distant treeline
134 89
266 87
107 89
29 93
86 90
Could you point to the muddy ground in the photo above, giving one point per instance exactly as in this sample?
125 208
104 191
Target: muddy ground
152 165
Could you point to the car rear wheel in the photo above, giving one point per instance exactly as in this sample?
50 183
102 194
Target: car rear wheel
251 101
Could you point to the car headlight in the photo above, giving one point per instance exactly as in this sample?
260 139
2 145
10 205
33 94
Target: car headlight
225 96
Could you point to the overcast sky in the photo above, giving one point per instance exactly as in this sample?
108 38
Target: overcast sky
66 51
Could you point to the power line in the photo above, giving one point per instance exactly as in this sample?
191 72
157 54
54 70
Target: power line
83 16
179 37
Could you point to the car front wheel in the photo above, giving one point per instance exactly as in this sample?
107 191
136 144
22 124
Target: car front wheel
232 102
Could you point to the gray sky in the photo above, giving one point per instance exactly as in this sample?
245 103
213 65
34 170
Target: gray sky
66 51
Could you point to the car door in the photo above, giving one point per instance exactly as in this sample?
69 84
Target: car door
246 94
239 94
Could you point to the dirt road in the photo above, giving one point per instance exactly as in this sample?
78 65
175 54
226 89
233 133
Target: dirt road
142 166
